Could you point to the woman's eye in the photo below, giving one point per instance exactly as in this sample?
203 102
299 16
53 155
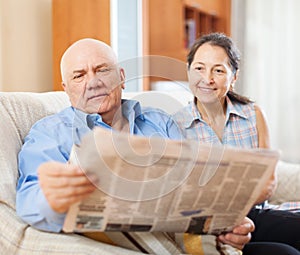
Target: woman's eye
199 68
219 71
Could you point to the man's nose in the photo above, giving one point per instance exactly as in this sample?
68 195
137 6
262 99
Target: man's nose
93 81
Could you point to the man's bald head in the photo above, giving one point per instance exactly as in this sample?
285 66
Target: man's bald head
86 46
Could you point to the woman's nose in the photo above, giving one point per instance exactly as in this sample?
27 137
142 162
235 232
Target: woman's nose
208 78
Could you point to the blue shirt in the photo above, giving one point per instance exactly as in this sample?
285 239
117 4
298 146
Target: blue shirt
52 138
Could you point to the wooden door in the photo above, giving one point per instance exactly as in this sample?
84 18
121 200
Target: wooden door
73 20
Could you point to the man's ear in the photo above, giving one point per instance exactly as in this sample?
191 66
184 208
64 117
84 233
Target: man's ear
122 74
63 85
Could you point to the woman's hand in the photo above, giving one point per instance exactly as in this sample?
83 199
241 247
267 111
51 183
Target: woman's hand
240 235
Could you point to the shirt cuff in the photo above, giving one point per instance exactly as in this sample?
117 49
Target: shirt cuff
53 219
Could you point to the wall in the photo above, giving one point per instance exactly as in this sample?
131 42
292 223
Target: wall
25 45
269 30
238 21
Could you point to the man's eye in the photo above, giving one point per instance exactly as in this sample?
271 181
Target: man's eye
199 68
103 70
78 77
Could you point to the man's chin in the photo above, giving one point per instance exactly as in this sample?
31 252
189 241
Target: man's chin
89 109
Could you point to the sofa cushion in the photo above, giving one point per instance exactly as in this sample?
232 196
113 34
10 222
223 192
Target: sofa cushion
288 189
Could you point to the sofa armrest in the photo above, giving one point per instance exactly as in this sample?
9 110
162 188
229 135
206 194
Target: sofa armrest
288 189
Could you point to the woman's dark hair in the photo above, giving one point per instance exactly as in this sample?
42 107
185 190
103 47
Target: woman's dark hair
221 40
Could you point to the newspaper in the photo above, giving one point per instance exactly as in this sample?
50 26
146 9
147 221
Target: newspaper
156 184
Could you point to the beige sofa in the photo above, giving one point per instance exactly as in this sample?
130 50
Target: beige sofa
18 111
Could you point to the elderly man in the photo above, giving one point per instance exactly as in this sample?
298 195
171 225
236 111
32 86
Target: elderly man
93 81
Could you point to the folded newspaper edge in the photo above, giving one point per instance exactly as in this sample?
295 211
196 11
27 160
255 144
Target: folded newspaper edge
157 184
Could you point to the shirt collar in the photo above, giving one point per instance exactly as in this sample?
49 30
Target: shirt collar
192 114
234 109
131 110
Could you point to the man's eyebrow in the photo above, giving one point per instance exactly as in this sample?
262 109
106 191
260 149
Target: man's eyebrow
96 67
102 65
78 71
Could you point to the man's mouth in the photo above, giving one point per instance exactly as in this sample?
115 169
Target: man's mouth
97 96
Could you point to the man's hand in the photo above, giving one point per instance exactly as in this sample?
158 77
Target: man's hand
63 185
240 235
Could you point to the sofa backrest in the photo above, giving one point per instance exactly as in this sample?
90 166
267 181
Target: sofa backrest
169 101
19 111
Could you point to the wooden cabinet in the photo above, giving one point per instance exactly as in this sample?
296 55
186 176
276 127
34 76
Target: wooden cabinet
169 27
172 21
73 20
175 24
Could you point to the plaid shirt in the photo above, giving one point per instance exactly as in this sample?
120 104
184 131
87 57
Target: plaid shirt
239 131
286 206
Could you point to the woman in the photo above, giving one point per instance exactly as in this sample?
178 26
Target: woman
218 115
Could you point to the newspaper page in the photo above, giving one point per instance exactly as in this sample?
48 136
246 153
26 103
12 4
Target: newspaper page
156 184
